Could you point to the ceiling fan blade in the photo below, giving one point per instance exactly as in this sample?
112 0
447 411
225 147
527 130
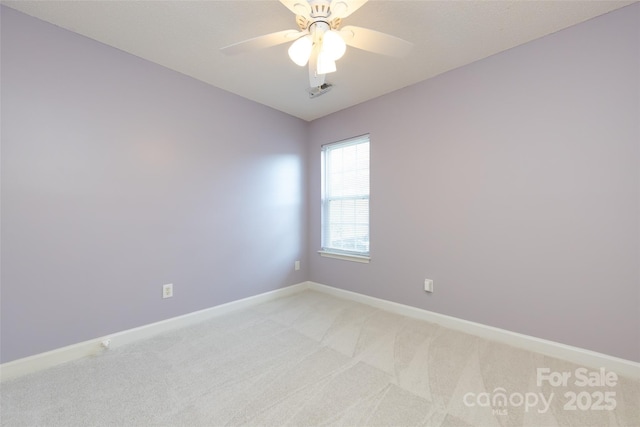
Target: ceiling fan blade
299 7
260 42
344 8
375 41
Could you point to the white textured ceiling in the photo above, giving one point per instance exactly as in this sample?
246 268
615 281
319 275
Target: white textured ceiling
186 36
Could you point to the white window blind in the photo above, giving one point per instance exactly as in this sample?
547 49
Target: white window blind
345 197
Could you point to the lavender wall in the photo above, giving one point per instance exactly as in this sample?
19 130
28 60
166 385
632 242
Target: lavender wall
513 183
118 176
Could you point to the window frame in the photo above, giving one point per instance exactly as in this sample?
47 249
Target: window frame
332 252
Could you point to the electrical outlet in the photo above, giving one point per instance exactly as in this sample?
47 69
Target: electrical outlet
167 290
297 265
428 285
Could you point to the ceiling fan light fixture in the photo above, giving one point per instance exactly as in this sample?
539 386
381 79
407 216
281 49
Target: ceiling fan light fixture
326 64
300 50
320 42
333 44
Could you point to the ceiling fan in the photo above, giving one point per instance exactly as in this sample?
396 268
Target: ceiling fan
320 41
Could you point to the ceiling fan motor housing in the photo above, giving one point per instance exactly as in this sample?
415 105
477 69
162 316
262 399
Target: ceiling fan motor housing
320 11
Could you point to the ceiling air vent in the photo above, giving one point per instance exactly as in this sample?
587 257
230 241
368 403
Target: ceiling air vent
315 92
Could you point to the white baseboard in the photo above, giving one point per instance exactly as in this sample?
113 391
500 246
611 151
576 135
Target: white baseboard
576 355
93 347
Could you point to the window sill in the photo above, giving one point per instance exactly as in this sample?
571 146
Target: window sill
346 257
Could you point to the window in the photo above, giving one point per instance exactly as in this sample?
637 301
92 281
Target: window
345 199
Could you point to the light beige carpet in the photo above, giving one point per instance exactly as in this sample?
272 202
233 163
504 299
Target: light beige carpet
309 360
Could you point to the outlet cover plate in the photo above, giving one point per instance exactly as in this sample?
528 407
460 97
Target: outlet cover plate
167 290
428 285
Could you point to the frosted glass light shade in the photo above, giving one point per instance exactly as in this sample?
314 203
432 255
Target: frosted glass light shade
333 45
326 64
300 50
